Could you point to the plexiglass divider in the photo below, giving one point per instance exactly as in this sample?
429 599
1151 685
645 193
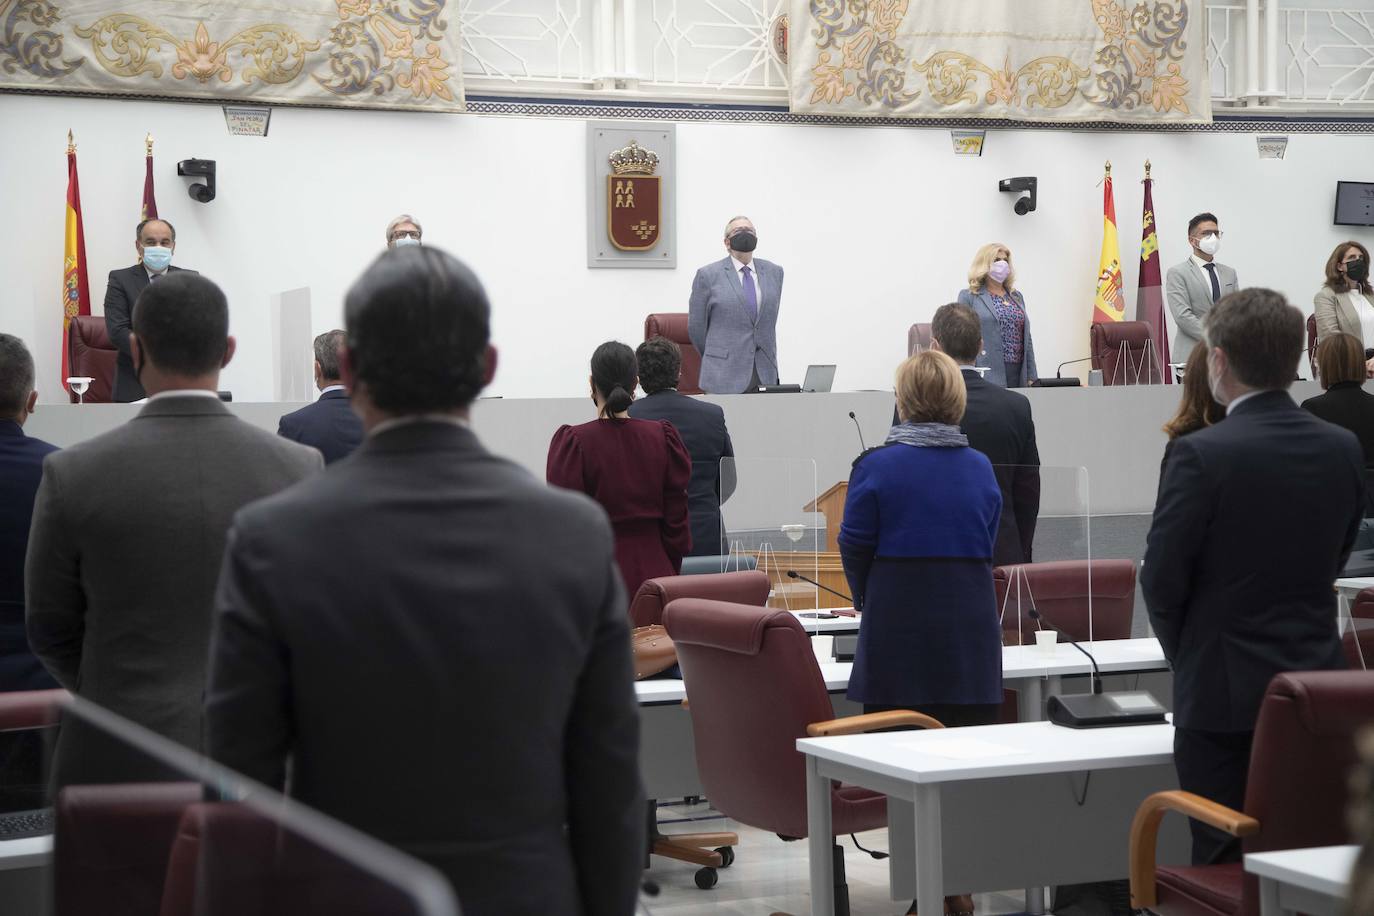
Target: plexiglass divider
146 822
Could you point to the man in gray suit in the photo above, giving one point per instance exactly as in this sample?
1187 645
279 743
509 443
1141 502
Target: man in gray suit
732 316
449 669
1192 287
129 529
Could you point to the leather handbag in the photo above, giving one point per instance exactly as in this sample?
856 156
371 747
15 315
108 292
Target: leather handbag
653 650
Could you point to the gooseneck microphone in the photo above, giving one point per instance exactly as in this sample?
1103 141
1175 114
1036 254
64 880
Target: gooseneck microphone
1035 615
793 574
1059 381
860 429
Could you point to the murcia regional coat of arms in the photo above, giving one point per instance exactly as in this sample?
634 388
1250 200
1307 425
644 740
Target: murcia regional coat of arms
633 203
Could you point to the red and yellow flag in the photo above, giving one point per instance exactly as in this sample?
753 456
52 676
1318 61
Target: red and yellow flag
149 199
1110 304
76 289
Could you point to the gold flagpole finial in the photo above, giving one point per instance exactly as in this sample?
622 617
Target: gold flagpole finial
1109 168
71 143
1147 170
148 142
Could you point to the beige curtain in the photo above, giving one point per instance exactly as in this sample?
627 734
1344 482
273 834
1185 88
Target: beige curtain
1036 60
350 53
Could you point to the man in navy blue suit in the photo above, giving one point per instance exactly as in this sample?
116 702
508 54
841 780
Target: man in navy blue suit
329 424
21 467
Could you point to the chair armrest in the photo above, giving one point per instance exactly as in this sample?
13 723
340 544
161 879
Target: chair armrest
855 725
1145 834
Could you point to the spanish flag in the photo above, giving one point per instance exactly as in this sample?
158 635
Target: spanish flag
76 289
1110 304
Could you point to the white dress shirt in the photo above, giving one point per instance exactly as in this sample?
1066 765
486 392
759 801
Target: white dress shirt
753 275
328 388
155 273
184 393
1201 266
1242 399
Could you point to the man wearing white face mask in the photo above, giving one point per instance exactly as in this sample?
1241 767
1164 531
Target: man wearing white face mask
1255 518
1192 287
154 240
402 231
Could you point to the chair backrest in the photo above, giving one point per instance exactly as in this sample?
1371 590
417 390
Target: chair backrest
917 339
747 587
1357 638
1125 352
91 354
1300 763
21 710
754 686
1312 344
673 325
112 844
1060 591
705 565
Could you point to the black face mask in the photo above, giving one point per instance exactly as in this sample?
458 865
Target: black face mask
744 240
1357 270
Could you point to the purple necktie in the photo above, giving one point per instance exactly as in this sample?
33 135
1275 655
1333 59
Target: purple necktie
751 296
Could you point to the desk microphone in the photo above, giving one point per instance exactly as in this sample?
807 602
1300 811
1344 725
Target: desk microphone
793 574
1059 381
1098 709
860 429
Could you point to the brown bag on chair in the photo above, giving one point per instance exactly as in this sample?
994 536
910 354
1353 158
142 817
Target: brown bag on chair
653 650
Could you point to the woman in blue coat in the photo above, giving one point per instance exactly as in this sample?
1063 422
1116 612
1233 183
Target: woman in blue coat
919 526
1008 352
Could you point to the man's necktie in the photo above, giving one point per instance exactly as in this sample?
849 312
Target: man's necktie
1216 287
751 295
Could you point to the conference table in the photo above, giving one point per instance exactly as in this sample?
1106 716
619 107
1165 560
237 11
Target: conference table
983 809
1313 881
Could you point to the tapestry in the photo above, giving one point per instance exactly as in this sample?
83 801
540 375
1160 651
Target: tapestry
1025 60
350 53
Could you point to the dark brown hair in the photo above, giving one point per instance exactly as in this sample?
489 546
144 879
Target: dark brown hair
1340 358
1261 335
959 332
1334 278
1197 408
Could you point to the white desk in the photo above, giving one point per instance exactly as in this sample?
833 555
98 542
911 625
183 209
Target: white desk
982 809
1313 881
30 852
827 626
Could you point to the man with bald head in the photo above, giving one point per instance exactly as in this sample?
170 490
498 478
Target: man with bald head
154 241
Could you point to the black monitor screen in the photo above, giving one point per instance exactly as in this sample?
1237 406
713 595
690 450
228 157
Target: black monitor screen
1354 203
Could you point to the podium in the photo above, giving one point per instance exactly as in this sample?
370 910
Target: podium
831 505
824 565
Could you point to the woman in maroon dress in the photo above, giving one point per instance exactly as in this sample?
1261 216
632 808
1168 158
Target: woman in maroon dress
636 469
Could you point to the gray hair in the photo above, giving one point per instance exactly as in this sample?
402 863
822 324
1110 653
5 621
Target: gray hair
327 347
16 375
403 218
733 219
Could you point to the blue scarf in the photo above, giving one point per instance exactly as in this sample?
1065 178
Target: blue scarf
927 435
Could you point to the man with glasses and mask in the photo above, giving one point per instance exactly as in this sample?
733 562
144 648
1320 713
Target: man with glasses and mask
733 315
1192 287
402 231
154 240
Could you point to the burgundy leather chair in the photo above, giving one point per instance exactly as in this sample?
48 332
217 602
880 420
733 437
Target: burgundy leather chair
1312 345
1295 798
745 587
917 339
112 844
754 688
1125 352
1358 638
90 353
21 710
673 325
1060 590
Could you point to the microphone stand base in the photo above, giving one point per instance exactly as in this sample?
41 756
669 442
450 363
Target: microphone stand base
1058 383
1104 710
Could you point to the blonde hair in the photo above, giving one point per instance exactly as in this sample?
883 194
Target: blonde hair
930 389
982 261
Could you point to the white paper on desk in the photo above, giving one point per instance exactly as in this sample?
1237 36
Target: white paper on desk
964 749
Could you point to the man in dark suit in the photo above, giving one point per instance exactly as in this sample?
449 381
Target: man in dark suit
154 240
330 424
21 467
998 423
1254 521
129 531
702 428
449 669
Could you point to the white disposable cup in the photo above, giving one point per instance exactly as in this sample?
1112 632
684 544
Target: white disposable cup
1045 641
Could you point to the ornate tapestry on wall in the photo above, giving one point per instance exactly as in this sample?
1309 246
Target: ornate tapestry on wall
1025 60
349 53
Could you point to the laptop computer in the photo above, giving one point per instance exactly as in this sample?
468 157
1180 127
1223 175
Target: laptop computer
819 378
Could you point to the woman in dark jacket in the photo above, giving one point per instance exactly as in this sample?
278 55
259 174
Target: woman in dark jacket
919 527
1341 368
636 469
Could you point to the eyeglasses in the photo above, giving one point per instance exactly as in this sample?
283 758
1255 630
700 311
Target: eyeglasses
1218 233
406 234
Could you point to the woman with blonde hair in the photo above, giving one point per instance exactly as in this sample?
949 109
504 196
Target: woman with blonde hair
1008 352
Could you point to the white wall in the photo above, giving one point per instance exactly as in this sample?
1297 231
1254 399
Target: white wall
875 226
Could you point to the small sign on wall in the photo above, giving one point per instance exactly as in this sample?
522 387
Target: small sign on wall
968 142
1272 147
631 195
247 122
